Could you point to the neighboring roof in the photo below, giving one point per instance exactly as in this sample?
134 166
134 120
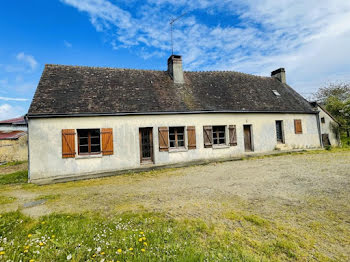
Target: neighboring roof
14 121
315 104
11 135
77 90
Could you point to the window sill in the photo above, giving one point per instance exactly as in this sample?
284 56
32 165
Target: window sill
88 156
220 146
175 150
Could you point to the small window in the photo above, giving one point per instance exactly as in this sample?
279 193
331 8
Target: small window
176 137
323 120
89 141
219 135
276 93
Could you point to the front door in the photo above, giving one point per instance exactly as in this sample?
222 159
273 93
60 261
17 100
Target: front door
247 138
279 131
146 145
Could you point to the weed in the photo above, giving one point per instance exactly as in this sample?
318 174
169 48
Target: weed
18 177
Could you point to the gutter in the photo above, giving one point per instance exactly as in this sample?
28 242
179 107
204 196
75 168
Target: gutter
319 128
161 113
26 120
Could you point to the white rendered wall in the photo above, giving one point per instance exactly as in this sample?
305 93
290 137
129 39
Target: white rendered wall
45 141
328 128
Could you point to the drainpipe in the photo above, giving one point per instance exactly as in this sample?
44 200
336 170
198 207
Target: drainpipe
319 128
26 119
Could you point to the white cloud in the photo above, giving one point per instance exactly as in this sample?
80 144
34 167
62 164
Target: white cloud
7 111
67 44
27 59
12 99
309 38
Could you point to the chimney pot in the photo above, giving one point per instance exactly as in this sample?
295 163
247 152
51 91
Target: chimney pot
280 74
175 69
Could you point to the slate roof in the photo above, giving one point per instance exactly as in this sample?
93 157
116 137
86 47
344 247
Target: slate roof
78 90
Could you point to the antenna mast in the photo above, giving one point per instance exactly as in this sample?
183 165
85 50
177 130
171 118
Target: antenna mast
171 30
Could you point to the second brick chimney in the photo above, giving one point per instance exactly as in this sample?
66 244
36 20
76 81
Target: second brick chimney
175 69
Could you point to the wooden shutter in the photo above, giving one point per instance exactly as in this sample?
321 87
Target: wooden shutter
191 137
233 135
68 143
298 127
208 136
107 141
163 137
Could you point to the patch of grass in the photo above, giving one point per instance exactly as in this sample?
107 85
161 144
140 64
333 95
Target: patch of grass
125 237
6 200
18 177
13 163
48 197
259 221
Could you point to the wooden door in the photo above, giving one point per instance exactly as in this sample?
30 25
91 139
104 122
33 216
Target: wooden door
247 138
146 145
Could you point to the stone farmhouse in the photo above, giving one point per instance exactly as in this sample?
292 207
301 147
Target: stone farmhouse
86 122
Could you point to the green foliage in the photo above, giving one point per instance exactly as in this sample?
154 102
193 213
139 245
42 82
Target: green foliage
13 163
18 177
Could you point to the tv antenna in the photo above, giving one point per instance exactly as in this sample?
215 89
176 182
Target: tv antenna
171 29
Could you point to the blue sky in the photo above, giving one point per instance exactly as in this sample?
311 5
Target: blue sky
311 40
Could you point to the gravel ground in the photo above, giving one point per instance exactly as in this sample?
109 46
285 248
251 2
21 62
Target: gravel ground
308 192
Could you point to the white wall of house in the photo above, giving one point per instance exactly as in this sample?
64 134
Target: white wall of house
45 140
329 127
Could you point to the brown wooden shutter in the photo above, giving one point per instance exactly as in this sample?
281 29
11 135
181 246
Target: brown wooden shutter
68 143
298 127
191 137
208 136
163 137
107 141
233 135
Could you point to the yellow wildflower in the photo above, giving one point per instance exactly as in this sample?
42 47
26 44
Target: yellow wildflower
41 244
43 222
2 253
145 243
53 236
25 251
102 253
143 250
30 235
26 247
144 238
94 255
140 240
141 233
32 260
119 250
131 249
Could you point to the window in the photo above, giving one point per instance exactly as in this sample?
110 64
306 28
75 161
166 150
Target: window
279 131
218 135
323 120
276 93
89 141
176 137
298 126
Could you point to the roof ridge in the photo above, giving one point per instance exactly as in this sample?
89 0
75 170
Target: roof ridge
102 67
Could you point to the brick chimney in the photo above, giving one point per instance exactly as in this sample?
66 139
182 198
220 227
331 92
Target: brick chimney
175 69
280 74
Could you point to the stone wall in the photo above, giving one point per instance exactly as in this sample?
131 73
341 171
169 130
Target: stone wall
14 150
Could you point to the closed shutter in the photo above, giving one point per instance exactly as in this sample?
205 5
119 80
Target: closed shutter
233 135
191 136
107 141
68 143
208 136
298 127
163 137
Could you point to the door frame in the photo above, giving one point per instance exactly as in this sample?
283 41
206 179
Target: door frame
251 138
282 131
142 161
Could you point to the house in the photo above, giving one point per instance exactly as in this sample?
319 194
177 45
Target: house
88 121
329 126
13 140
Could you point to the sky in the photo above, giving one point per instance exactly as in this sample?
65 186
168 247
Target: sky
310 39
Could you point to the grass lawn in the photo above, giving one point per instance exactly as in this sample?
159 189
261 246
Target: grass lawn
287 208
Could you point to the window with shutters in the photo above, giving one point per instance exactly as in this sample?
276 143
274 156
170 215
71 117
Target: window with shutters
89 141
298 126
177 137
219 136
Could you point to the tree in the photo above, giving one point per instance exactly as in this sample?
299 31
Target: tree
336 99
